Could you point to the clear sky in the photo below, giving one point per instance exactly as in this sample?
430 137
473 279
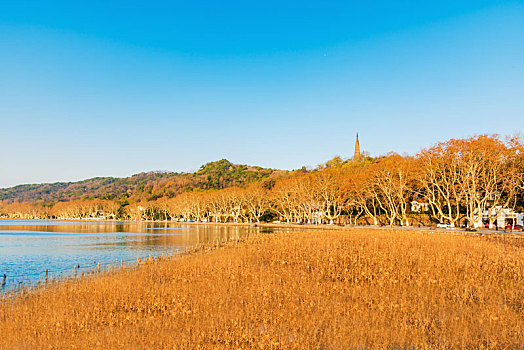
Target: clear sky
89 88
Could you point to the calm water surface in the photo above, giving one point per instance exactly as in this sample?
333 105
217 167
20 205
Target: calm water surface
28 248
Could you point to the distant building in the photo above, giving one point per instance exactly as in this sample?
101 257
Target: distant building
356 156
504 216
418 207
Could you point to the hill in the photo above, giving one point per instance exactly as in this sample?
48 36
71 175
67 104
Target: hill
147 185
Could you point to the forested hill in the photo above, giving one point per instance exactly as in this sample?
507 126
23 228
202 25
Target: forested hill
148 185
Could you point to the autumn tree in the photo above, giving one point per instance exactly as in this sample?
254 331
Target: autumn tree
256 199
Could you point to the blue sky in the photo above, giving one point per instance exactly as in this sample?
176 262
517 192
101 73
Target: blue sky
95 89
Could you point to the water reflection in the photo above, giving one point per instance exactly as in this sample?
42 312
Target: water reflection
28 248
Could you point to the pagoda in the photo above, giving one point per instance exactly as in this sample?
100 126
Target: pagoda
357 156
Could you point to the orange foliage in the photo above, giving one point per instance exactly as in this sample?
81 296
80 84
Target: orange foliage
456 180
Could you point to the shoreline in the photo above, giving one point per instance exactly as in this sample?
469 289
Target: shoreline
278 228
482 231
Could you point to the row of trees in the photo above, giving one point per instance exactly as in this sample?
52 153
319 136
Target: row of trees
455 180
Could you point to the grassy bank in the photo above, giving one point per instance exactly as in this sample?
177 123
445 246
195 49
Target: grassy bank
313 289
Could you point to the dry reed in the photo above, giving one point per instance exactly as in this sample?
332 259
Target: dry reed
303 290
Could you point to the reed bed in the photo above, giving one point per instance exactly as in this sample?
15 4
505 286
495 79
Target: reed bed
298 290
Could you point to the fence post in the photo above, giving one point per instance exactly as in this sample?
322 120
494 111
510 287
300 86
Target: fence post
98 267
4 277
46 272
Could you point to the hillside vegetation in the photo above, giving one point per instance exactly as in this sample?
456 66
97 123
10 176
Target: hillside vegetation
353 289
147 185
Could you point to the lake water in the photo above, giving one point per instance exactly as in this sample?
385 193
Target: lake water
29 247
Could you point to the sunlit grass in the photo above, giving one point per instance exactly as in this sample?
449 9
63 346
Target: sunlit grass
317 289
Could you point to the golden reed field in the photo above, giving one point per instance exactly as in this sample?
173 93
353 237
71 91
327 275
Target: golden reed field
359 288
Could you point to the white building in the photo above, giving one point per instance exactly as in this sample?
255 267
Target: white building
504 216
418 207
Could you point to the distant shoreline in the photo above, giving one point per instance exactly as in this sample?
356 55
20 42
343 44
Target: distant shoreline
243 224
290 226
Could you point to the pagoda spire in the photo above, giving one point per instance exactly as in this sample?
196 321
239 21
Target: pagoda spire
356 157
